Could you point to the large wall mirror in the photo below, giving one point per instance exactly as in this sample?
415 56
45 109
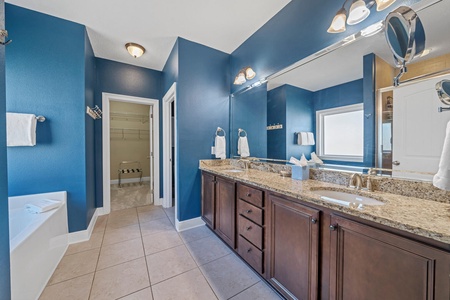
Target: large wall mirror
345 96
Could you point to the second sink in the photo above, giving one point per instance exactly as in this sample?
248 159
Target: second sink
346 199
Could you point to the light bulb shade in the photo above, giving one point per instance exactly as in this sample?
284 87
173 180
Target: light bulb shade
240 78
383 4
249 73
135 50
358 12
338 23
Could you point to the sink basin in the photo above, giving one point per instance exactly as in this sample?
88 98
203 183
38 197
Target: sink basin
233 171
346 199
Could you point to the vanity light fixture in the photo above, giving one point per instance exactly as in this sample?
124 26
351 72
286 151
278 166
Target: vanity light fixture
358 12
243 75
372 29
134 49
383 4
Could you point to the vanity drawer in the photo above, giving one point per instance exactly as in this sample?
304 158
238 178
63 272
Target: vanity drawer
252 255
251 195
251 212
252 232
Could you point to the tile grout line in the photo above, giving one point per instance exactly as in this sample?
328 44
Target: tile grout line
245 289
98 258
145 258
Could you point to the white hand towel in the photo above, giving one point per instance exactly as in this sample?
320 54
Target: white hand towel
21 129
41 206
243 148
220 147
302 138
442 179
310 137
315 158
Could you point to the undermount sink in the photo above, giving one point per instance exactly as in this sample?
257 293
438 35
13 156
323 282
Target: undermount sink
234 171
346 199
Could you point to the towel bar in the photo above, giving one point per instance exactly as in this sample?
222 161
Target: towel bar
441 109
40 119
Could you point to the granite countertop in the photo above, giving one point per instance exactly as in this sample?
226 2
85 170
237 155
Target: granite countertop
430 219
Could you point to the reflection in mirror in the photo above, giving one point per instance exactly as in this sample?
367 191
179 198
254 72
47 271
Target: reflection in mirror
443 90
358 70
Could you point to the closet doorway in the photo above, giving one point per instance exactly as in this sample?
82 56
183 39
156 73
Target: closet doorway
130 152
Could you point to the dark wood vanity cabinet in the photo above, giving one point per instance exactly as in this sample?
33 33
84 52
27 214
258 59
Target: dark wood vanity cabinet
218 206
250 226
369 263
293 248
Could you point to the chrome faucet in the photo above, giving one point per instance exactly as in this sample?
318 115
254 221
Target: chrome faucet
246 163
357 182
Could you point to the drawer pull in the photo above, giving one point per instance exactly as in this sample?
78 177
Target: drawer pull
249 211
249 194
249 250
314 220
248 228
333 227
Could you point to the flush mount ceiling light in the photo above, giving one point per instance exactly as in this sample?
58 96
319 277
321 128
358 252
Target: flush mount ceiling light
134 49
383 4
358 12
243 75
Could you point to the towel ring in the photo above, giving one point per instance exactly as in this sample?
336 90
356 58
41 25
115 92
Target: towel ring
242 131
219 130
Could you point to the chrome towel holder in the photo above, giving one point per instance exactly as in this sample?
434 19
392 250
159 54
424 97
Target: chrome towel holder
220 130
240 130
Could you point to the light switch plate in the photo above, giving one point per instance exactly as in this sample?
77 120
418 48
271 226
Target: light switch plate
213 150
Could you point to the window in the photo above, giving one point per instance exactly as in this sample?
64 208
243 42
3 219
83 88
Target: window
340 133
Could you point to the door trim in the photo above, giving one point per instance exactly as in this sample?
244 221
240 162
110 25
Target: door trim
169 97
106 151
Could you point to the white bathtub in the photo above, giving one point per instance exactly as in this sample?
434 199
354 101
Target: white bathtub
37 244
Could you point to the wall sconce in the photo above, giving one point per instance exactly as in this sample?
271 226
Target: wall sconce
243 75
134 49
359 11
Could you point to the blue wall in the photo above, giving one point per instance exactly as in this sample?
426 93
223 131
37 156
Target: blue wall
292 107
119 78
5 288
249 112
202 105
45 74
90 80
298 30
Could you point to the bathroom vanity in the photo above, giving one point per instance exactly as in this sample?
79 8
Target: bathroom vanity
310 248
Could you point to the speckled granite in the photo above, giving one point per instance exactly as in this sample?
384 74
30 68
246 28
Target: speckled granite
429 219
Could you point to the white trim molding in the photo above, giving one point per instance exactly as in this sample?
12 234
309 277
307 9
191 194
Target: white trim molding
85 235
106 98
188 224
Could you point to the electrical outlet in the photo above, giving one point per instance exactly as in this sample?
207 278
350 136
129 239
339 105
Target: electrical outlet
213 150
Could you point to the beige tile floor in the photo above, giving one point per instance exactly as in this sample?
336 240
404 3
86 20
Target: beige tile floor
136 253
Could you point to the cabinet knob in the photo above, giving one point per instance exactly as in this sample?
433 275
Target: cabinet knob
248 227
249 194
249 211
214 181
249 250
333 227
314 220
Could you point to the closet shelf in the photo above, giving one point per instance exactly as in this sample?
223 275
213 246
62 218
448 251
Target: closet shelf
130 134
132 117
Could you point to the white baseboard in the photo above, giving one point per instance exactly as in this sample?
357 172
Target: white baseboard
188 224
85 235
129 180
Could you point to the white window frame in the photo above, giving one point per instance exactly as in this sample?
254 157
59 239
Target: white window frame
320 114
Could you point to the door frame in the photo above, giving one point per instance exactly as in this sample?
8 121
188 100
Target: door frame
106 151
169 97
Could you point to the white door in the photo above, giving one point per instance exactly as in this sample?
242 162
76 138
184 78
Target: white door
418 129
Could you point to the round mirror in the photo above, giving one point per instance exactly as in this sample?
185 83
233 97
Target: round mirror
405 35
443 90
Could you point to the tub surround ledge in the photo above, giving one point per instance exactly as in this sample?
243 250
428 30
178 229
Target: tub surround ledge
409 212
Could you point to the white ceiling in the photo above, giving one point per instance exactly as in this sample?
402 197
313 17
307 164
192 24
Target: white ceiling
222 25
346 63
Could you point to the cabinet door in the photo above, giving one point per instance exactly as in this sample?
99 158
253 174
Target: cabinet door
226 210
293 245
208 203
368 263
